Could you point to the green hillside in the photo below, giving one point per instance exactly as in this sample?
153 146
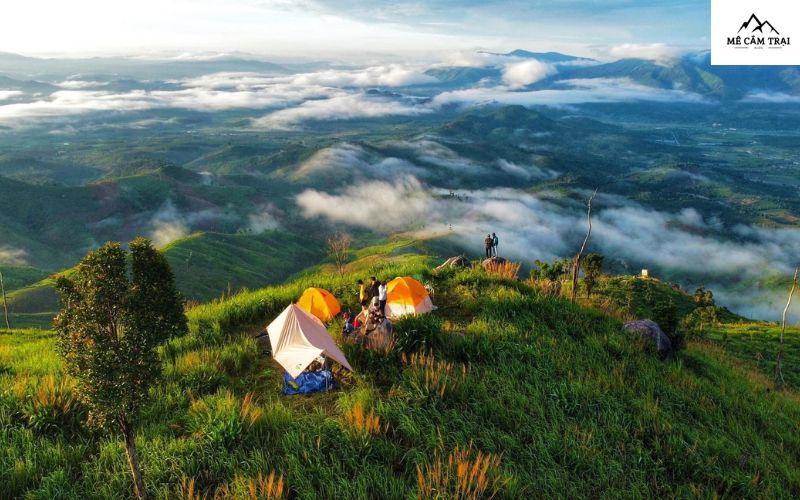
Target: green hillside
206 265
564 403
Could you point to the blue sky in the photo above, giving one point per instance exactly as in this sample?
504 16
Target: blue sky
314 28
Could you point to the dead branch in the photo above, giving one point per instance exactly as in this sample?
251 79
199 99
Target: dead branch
5 303
779 382
576 268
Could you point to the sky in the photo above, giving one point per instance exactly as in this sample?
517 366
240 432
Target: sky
342 28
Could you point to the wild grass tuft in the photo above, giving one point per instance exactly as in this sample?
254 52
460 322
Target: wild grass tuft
257 488
51 405
505 270
415 332
464 474
363 424
429 377
223 418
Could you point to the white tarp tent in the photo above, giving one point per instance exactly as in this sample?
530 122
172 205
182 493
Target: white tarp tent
298 337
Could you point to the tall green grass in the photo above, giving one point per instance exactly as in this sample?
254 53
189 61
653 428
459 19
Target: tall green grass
548 398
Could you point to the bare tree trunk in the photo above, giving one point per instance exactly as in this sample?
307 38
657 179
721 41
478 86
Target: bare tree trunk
779 358
133 460
5 303
576 268
338 248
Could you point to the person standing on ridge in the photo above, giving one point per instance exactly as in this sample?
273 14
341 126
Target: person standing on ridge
487 243
495 241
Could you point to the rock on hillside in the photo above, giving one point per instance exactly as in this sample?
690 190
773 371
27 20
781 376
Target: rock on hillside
651 332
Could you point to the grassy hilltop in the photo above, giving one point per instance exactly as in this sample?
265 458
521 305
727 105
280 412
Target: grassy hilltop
555 399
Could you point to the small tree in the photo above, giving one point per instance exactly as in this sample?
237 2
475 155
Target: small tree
339 250
548 276
703 297
112 320
592 267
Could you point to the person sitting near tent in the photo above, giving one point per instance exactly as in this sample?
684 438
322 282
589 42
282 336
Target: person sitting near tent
348 327
375 316
488 242
383 295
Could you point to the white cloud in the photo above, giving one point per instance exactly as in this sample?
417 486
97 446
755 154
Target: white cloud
11 256
263 219
376 204
348 161
658 52
67 103
345 107
390 75
168 223
526 172
531 227
588 90
519 74
771 97
8 94
471 59
80 84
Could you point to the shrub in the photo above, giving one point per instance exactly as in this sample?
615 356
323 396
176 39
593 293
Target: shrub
508 270
52 407
222 418
200 371
415 332
666 315
465 474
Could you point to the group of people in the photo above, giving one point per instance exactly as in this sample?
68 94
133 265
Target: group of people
372 296
490 245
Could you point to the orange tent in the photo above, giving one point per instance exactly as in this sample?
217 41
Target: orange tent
407 296
319 302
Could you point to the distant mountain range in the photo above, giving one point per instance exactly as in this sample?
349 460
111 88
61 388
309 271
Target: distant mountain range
550 57
22 67
691 73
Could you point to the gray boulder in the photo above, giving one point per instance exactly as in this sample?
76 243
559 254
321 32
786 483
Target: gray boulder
455 263
651 332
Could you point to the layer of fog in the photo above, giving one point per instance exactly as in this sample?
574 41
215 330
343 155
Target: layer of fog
683 246
11 256
576 91
422 158
169 223
325 95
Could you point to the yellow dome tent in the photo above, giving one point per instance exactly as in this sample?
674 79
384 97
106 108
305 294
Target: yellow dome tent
407 296
319 302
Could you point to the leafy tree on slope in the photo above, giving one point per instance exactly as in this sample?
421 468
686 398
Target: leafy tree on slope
112 320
